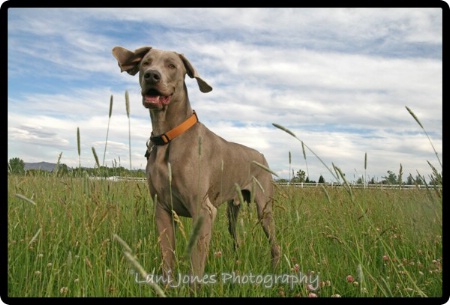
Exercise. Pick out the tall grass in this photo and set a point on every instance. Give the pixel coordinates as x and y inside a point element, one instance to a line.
<point>365,170</point>
<point>55,170</point>
<point>128,254</point>
<point>290,167</point>
<point>62,244</point>
<point>304,157</point>
<point>335,242</point>
<point>127,107</point>
<point>304,145</point>
<point>107,130</point>
<point>79,147</point>
<point>428,137</point>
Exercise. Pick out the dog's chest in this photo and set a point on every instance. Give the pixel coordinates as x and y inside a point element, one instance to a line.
<point>158,168</point>
<point>161,181</point>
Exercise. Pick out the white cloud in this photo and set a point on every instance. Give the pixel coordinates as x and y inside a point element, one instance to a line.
<point>339,78</point>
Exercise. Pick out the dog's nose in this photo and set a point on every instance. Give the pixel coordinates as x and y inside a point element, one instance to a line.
<point>152,76</point>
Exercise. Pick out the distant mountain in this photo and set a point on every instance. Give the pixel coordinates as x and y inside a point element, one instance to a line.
<point>45,166</point>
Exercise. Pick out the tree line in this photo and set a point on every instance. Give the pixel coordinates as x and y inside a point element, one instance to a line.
<point>17,166</point>
<point>391,178</point>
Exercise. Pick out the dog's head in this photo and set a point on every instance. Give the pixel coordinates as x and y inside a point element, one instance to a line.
<point>161,73</point>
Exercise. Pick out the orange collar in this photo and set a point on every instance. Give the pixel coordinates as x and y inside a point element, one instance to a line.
<point>165,138</point>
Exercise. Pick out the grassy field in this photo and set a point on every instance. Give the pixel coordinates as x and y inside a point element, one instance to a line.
<point>334,241</point>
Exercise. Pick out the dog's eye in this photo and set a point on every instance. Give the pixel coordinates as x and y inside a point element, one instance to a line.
<point>146,63</point>
<point>171,66</point>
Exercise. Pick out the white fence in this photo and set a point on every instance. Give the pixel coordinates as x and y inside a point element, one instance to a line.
<point>359,186</point>
<point>118,178</point>
<point>297,185</point>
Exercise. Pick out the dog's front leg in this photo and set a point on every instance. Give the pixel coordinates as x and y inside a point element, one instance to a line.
<point>206,215</point>
<point>166,232</point>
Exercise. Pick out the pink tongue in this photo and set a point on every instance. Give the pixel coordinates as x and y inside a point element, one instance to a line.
<point>157,99</point>
<point>152,99</point>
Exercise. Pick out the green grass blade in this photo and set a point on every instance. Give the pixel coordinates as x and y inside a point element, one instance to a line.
<point>292,134</point>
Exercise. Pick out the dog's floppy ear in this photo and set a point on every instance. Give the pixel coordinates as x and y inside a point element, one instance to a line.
<point>203,86</point>
<point>128,60</point>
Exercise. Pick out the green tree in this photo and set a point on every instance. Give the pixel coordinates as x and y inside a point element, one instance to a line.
<point>16,166</point>
<point>300,177</point>
<point>419,180</point>
<point>321,179</point>
<point>391,178</point>
<point>63,170</point>
<point>410,180</point>
<point>281,180</point>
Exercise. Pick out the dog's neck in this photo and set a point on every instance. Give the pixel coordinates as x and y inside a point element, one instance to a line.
<point>170,116</point>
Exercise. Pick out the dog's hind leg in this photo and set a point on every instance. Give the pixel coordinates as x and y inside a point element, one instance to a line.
<point>232,213</point>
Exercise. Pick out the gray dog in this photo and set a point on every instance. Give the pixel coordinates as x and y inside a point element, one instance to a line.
<point>206,170</point>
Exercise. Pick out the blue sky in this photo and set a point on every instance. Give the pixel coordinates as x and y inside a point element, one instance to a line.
<point>338,78</point>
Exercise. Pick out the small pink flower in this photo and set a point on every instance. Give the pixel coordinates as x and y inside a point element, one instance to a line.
<point>296,267</point>
<point>312,295</point>
<point>385,258</point>
<point>350,279</point>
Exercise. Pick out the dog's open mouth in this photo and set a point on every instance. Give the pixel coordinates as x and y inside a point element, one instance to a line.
<point>154,99</point>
